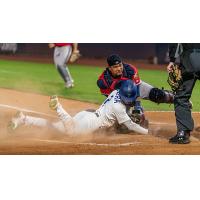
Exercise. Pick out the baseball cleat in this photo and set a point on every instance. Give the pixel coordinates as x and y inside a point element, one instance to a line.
<point>16,121</point>
<point>190,105</point>
<point>182,137</point>
<point>53,104</point>
<point>69,85</point>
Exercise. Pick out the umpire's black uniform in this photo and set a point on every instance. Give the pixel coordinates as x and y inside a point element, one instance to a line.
<point>190,67</point>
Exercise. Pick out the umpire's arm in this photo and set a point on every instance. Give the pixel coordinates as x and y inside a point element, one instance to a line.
<point>173,48</point>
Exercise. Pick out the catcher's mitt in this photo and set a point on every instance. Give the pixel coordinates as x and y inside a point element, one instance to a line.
<point>175,78</point>
<point>137,116</point>
<point>75,56</point>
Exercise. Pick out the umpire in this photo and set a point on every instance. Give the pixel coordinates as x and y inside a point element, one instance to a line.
<point>189,55</point>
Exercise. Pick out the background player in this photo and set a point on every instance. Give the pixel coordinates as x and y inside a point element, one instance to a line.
<point>62,54</point>
<point>113,110</point>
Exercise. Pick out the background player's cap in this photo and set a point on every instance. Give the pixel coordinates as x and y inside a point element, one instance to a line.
<point>113,59</point>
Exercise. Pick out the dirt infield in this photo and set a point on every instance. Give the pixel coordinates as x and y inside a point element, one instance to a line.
<point>31,140</point>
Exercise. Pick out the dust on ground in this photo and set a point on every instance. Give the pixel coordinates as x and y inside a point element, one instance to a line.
<point>33,140</point>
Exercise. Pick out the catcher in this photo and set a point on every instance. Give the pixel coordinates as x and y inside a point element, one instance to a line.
<point>113,110</point>
<point>64,53</point>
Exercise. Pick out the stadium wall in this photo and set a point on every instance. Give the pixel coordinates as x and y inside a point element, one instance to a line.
<point>135,51</point>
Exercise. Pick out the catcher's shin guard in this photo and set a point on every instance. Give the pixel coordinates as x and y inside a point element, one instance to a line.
<point>161,96</point>
<point>169,97</point>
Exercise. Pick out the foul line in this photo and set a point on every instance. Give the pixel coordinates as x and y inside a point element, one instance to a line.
<point>90,143</point>
<point>160,123</point>
<point>26,110</point>
<point>162,111</point>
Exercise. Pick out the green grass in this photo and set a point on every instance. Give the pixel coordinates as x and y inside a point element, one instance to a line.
<point>44,79</point>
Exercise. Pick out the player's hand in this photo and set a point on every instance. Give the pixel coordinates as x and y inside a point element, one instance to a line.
<point>76,51</point>
<point>74,56</point>
<point>51,45</point>
<point>169,67</point>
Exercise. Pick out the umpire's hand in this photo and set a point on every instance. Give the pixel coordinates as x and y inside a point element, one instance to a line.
<point>169,67</point>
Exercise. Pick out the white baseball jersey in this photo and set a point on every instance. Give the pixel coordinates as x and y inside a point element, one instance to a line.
<point>110,112</point>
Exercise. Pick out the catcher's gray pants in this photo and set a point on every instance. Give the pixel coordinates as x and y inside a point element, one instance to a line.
<point>61,57</point>
<point>190,65</point>
<point>145,89</point>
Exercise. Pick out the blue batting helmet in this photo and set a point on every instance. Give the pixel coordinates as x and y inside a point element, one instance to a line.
<point>128,92</point>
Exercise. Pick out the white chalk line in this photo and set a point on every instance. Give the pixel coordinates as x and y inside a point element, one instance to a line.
<point>26,110</point>
<point>90,143</point>
<point>162,111</point>
<point>136,143</point>
<point>161,123</point>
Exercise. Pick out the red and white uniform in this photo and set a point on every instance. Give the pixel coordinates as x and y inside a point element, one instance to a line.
<point>62,53</point>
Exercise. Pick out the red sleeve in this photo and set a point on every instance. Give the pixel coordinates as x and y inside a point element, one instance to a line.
<point>105,92</point>
<point>136,77</point>
<point>104,88</point>
<point>62,44</point>
<point>112,87</point>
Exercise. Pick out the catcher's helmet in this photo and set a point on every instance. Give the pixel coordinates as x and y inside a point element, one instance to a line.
<point>113,59</point>
<point>128,92</point>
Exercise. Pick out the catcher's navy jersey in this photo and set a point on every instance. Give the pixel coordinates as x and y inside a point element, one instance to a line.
<point>107,83</point>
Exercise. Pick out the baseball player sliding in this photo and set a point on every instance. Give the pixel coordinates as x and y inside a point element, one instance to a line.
<point>112,111</point>
<point>64,53</point>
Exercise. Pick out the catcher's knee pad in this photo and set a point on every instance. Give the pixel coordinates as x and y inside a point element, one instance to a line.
<point>161,96</point>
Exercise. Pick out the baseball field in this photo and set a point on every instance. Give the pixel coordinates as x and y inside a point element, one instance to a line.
<point>27,86</point>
